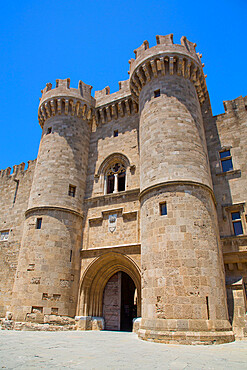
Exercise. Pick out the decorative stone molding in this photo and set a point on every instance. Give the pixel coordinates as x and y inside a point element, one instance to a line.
<point>178,182</point>
<point>111,160</point>
<point>97,274</point>
<point>53,208</point>
<point>121,194</point>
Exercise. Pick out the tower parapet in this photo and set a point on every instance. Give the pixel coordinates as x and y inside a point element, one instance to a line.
<point>167,58</point>
<point>64,99</point>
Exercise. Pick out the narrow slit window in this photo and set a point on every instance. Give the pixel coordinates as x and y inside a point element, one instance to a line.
<point>226,160</point>
<point>163,209</point>
<point>207,304</point>
<point>38,223</point>
<point>49,131</point>
<point>16,189</point>
<point>156,93</point>
<point>72,190</point>
<point>237,223</point>
<point>70,257</point>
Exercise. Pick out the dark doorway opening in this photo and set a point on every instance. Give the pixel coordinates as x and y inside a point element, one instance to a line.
<point>119,302</point>
<point>128,304</point>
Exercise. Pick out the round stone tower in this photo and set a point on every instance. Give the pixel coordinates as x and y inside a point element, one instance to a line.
<point>48,269</point>
<point>183,285</point>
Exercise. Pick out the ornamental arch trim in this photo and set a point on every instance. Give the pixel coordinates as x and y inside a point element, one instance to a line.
<point>95,278</point>
<point>110,160</point>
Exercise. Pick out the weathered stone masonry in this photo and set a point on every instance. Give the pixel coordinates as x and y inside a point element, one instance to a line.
<point>135,207</point>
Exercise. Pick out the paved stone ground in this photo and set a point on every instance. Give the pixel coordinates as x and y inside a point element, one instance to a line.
<point>111,350</point>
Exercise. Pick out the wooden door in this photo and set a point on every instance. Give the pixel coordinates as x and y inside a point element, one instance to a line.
<point>112,302</point>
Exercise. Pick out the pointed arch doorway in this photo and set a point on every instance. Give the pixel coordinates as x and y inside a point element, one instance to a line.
<point>119,302</point>
<point>96,280</point>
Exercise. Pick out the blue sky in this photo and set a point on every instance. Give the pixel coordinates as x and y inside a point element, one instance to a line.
<point>41,41</point>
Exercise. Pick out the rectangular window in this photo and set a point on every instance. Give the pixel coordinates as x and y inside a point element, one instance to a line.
<point>156,93</point>
<point>226,160</point>
<point>48,131</point>
<point>72,189</point>
<point>115,134</point>
<point>38,223</point>
<point>237,223</point>
<point>4,235</point>
<point>163,209</point>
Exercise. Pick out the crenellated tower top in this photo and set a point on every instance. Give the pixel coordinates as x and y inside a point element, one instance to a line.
<point>167,58</point>
<point>66,100</point>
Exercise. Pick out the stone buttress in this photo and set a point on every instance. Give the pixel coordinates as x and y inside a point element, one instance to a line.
<point>48,269</point>
<point>183,287</point>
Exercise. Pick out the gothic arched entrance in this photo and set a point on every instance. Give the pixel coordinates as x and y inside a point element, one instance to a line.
<point>119,302</point>
<point>94,284</point>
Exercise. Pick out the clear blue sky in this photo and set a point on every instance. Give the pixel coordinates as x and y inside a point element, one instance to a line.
<point>41,41</point>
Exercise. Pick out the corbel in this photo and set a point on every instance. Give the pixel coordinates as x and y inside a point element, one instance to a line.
<point>146,71</point>
<point>53,108</point>
<point>171,67</point>
<point>66,108</point>
<point>154,68</point>
<point>162,65</point>
<point>139,74</point>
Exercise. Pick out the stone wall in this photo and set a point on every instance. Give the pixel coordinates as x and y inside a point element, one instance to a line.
<point>97,230</point>
<point>103,144</point>
<point>15,188</point>
<point>228,131</point>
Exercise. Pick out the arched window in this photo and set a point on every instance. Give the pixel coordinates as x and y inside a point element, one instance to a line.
<point>113,174</point>
<point>115,178</point>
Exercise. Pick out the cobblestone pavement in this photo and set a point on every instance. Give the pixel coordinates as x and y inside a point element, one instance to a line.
<point>111,350</point>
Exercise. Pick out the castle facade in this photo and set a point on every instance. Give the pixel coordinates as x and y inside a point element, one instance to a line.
<point>134,208</point>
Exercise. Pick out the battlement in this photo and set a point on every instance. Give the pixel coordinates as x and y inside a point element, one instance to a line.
<point>104,97</point>
<point>115,109</point>
<point>63,89</point>
<point>167,58</point>
<point>18,168</point>
<point>164,43</point>
<point>64,99</point>
<point>236,105</point>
